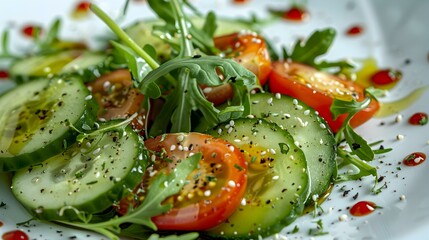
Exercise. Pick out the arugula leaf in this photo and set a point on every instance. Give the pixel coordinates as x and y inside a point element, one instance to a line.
<point>317,44</point>
<point>339,107</point>
<point>364,168</point>
<point>200,38</point>
<point>162,187</point>
<point>138,66</point>
<point>112,125</point>
<point>358,145</point>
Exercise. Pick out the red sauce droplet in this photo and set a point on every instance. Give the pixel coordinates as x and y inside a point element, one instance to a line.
<point>4,74</point>
<point>354,30</point>
<point>386,76</point>
<point>83,6</point>
<point>31,31</point>
<point>414,159</point>
<point>296,14</point>
<point>240,1</point>
<point>1,223</point>
<point>362,208</point>
<point>81,10</point>
<point>418,118</point>
<point>15,235</point>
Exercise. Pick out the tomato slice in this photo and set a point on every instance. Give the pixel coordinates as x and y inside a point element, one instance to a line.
<point>215,188</point>
<point>117,98</point>
<point>248,49</point>
<point>318,90</point>
<point>218,94</point>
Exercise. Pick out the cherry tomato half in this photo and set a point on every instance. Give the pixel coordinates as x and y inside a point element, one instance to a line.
<point>248,49</point>
<point>215,188</point>
<point>318,90</point>
<point>117,98</point>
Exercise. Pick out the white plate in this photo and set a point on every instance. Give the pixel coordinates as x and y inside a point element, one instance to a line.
<point>395,32</point>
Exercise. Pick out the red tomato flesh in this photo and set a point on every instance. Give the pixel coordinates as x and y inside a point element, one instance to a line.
<point>117,98</point>
<point>215,189</point>
<point>318,90</point>
<point>248,49</point>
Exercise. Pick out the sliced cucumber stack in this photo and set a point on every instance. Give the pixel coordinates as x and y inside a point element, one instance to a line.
<point>310,132</point>
<point>88,176</point>
<point>68,61</point>
<point>278,182</point>
<point>35,117</point>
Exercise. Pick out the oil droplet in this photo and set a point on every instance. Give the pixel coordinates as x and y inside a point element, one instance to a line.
<point>35,180</point>
<point>370,75</point>
<point>414,159</point>
<point>394,107</point>
<point>15,235</point>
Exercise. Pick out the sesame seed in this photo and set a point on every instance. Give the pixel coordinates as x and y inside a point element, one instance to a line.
<point>243,202</point>
<point>270,101</point>
<point>402,197</point>
<point>180,138</point>
<point>207,193</point>
<point>89,97</point>
<point>277,177</point>
<point>295,102</point>
<point>231,148</point>
<point>398,118</point>
<point>278,96</point>
<point>315,197</point>
<point>342,218</point>
<point>207,90</point>
<point>172,147</point>
<point>400,137</point>
<point>230,129</point>
<point>231,183</point>
<point>307,112</point>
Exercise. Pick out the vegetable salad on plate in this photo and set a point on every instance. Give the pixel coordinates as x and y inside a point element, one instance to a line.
<point>188,125</point>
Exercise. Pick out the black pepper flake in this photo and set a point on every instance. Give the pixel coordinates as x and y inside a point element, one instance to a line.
<point>345,193</point>
<point>355,196</point>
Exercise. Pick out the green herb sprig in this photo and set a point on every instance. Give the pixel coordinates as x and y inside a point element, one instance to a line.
<point>162,187</point>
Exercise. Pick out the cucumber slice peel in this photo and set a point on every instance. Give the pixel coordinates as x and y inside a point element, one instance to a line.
<point>34,119</point>
<point>88,176</point>
<point>278,182</point>
<point>310,132</point>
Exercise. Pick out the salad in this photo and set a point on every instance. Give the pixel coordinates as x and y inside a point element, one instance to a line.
<point>188,126</point>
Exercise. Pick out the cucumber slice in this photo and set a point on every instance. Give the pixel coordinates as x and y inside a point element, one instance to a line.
<point>309,131</point>
<point>278,182</point>
<point>34,119</point>
<point>56,63</point>
<point>88,176</point>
